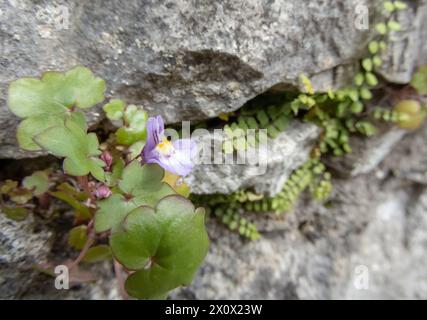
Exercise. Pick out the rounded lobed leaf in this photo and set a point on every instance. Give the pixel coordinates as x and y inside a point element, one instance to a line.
<point>48,101</point>
<point>165,245</point>
<point>38,181</point>
<point>114,109</point>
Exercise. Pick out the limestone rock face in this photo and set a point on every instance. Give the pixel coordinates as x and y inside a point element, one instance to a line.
<point>191,59</point>
<point>369,244</point>
<point>265,168</point>
<point>22,245</point>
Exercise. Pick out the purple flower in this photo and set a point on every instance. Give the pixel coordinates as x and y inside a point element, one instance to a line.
<point>175,157</point>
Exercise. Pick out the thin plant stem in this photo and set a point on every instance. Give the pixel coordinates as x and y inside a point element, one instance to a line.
<point>88,244</point>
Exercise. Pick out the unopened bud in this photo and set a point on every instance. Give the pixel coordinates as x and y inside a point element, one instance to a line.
<point>108,159</point>
<point>102,192</point>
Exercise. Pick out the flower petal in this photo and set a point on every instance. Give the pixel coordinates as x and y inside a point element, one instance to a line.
<point>155,129</point>
<point>187,147</point>
<point>178,163</point>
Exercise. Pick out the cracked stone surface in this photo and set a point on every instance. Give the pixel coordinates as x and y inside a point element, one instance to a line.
<point>22,245</point>
<point>272,164</point>
<point>192,59</point>
<point>192,62</point>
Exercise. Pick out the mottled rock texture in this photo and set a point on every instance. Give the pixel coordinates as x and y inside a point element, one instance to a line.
<point>192,59</point>
<point>374,226</point>
<point>265,168</point>
<point>22,245</point>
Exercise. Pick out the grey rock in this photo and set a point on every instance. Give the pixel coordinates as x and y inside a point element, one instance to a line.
<point>185,59</point>
<point>367,153</point>
<point>412,167</point>
<point>406,49</point>
<point>265,169</point>
<point>22,245</point>
<point>373,229</point>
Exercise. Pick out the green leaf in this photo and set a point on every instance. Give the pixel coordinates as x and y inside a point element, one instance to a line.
<point>419,80</point>
<point>136,149</point>
<point>356,107</point>
<point>8,186</point>
<point>165,245</point>
<point>114,109</point>
<point>135,129</point>
<point>371,79</point>
<point>128,136</point>
<point>77,237</point>
<point>399,5</point>
<point>15,213</point>
<point>113,177</point>
<point>376,60</point>
<point>381,28</point>
<point>71,196</point>
<point>366,128</point>
<point>359,79</point>
<point>389,6</point>
<point>394,25</point>
<point>48,101</point>
<point>136,117</point>
<point>142,185</point>
<point>367,64</point>
<point>38,181</point>
<point>33,126</point>
<point>97,253</point>
<point>373,47</point>
<point>365,93</point>
<point>113,210</point>
<point>21,196</point>
<point>79,149</point>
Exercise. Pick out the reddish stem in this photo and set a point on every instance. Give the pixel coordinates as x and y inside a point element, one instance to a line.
<point>88,244</point>
<point>84,183</point>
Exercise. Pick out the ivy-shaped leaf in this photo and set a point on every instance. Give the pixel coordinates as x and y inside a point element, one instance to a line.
<point>48,101</point>
<point>165,245</point>
<point>38,181</point>
<point>114,109</point>
<point>135,126</point>
<point>79,148</point>
<point>140,185</point>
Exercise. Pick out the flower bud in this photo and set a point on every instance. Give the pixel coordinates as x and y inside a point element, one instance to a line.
<point>102,192</point>
<point>108,159</point>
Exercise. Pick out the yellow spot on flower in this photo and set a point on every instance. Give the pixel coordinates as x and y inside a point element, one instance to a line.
<point>165,147</point>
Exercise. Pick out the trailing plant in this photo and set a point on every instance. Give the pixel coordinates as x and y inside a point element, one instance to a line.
<point>340,114</point>
<point>230,209</point>
<point>118,188</point>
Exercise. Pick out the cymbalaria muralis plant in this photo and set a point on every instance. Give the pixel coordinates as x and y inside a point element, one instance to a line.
<point>120,190</point>
<point>127,189</point>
